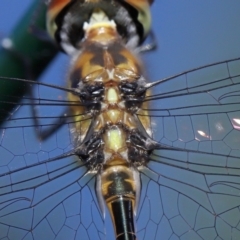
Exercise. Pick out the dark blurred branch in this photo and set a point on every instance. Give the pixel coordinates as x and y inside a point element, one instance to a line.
<point>27,58</point>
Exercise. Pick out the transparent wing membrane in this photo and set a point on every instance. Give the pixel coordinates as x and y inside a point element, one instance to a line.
<point>195,184</point>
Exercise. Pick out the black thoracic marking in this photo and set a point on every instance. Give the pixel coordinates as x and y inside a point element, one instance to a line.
<point>97,58</point>
<point>115,52</point>
<point>75,78</point>
<point>139,148</point>
<point>113,49</point>
<point>133,94</point>
<point>132,88</point>
<point>139,140</point>
<point>90,151</point>
<point>128,88</point>
<point>92,95</point>
<point>133,104</point>
<point>96,159</point>
<point>92,92</point>
<point>138,156</point>
<point>91,145</point>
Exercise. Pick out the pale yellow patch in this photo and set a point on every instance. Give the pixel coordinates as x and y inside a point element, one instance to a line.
<point>115,139</point>
<point>114,116</point>
<point>112,96</point>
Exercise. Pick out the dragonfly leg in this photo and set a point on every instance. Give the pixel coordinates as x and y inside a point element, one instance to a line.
<point>149,46</point>
<point>53,127</point>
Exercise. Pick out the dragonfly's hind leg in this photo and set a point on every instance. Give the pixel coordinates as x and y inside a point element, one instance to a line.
<point>151,46</point>
<point>53,126</point>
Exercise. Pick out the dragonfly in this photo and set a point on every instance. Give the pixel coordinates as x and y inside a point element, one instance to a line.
<point>189,194</point>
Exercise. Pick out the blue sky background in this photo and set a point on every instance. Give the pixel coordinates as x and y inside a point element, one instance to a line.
<point>189,33</point>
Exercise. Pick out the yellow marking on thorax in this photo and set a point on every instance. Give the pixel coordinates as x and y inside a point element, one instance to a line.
<point>114,115</point>
<point>115,139</point>
<point>112,96</point>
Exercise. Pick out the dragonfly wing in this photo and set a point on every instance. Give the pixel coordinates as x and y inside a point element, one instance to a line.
<point>191,190</point>
<point>44,193</point>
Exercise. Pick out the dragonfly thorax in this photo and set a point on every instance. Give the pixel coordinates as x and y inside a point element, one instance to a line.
<point>109,80</point>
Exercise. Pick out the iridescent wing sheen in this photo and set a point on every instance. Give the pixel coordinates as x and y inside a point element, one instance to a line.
<point>191,192</point>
